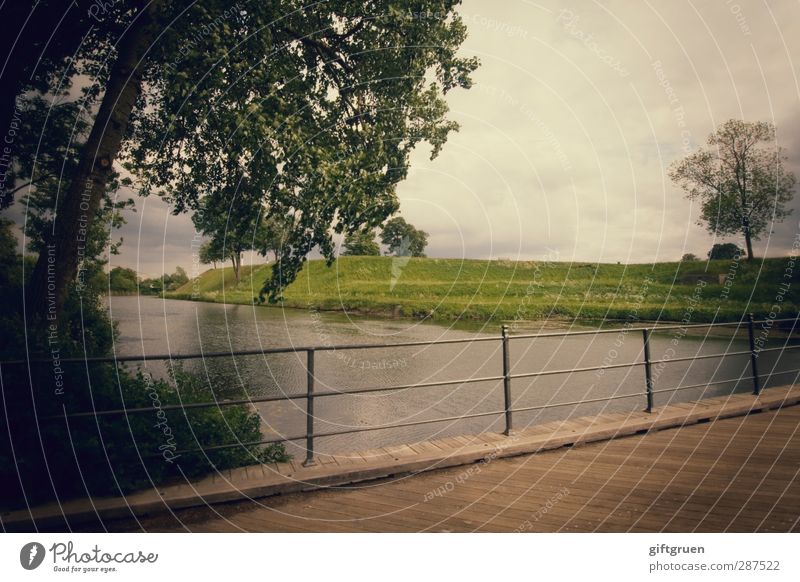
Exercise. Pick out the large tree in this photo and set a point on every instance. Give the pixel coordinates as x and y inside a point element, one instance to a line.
<point>739,180</point>
<point>83,195</point>
<point>316,108</point>
<point>313,113</point>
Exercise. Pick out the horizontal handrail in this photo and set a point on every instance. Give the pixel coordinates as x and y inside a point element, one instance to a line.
<point>263,399</point>
<point>655,328</point>
<point>261,352</point>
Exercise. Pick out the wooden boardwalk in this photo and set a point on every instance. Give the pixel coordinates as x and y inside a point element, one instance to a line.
<point>711,465</point>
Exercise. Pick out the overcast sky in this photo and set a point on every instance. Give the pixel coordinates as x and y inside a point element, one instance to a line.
<point>576,114</point>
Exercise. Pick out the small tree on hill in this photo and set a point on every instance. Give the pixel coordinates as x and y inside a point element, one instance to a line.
<point>361,244</point>
<point>688,257</point>
<point>210,254</point>
<point>402,239</point>
<point>725,251</point>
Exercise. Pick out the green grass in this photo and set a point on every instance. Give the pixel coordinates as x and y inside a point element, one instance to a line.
<point>527,290</point>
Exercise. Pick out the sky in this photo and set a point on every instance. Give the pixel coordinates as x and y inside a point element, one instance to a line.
<point>566,137</point>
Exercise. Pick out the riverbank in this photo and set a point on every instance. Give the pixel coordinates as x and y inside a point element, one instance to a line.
<point>449,289</point>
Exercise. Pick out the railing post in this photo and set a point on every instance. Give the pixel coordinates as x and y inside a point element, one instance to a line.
<point>507,381</point>
<point>648,371</point>
<point>753,355</point>
<point>309,409</point>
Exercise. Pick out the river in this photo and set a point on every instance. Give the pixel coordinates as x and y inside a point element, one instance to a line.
<point>151,326</point>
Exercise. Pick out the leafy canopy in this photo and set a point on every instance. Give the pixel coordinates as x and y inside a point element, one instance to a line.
<point>403,239</point>
<point>361,244</point>
<point>310,113</point>
<point>725,251</point>
<point>739,180</point>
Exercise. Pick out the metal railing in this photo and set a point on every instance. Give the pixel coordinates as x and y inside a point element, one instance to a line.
<point>311,394</point>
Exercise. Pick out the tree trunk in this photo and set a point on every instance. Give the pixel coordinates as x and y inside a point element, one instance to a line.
<point>748,240</point>
<point>56,270</point>
<point>236,259</point>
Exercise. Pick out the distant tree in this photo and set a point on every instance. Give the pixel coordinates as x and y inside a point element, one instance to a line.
<point>688,257</point>
<point>166,282</point>
<point>210,254</point>
<point>271,236</point>
<point>152,286</point>
<point>739,180</point>
<point>361,244</point>
<point>232,221</point>
<point>122,280</point>
<point>402,239</point>
<point>178,278</point>
<point>725,251</point>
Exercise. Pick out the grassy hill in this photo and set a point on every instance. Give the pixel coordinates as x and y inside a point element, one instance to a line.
<point>509,290</point>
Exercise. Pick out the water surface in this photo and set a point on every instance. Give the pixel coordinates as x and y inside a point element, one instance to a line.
<point>152,326</point>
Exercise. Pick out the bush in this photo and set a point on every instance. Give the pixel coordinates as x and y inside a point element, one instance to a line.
<point>46,456</point>
<point>55,457</point>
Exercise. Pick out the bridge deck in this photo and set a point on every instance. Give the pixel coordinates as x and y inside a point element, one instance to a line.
<point>737,474</point>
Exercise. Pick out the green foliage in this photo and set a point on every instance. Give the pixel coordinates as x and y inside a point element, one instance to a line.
<point>360,244</point>
<point>117,454</point>
<point>158,285</point>
<point>507,290</point>
<point>403,239</point>
<point>42,456</point>
<point>725,251</point>
<point>123,281</point>
<point>690,257</point>
<point>209,254</point>
<point>44,60</point>
<point>284,113</point>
